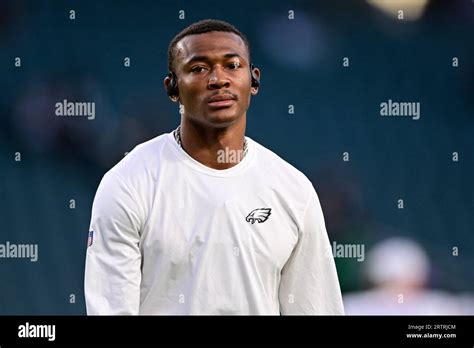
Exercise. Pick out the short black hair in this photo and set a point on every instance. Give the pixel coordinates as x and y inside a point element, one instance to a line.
<point>202,27</point>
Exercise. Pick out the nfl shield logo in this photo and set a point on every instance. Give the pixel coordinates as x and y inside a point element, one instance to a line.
<point>91,238</point>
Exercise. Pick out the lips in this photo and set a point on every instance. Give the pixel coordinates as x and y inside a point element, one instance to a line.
<point>221,100</point>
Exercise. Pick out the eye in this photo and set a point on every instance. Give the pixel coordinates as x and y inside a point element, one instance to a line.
<point>234,65</point>
<point>197,69</point>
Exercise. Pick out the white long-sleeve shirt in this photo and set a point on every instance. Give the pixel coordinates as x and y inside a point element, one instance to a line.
<point>170,235</point>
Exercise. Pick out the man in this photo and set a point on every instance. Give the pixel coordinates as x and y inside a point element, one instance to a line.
<point>204,220</point>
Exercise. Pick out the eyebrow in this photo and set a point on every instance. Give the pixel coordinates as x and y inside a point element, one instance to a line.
<point>207,59</point>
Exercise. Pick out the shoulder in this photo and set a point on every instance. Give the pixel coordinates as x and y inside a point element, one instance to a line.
<point>139,169</point>
<point>144,159</point>
<point>289,183</point>
<point>280,169</point>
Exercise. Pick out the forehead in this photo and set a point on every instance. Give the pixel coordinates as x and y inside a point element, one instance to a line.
<point>213,44</point>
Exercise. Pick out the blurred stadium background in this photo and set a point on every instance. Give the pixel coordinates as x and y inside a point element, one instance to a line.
<point>336,110</point>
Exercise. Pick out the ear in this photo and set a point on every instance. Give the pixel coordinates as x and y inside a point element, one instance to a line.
<point>167,85</point>
<point>256,72</point>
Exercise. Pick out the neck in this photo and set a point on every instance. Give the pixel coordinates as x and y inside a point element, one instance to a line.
<point>217,148</point>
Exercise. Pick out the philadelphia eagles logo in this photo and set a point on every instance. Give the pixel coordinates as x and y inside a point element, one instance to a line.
<point>260,215</point>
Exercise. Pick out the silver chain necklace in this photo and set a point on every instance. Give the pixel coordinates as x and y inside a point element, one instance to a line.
<point>177,136</point>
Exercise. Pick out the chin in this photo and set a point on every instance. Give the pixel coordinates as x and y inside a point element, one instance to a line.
<point>222,117</point>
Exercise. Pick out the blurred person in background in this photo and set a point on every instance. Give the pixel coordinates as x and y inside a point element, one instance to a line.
<point>399,270</point>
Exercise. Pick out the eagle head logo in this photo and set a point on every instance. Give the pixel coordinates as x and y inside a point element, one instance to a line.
<point>260,215</point>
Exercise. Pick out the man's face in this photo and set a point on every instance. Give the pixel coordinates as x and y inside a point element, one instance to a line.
<point>214,79</point>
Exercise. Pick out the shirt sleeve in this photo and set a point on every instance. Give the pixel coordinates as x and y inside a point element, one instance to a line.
<point>113,260</point>
<point>309,282</point>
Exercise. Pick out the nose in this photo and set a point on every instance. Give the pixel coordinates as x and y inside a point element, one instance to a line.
<point>218,79</point>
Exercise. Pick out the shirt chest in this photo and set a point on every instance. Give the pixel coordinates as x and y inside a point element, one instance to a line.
<point>192,218</point>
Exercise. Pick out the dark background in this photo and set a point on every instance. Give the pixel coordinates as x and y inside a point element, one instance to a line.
<point>337,110</point>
